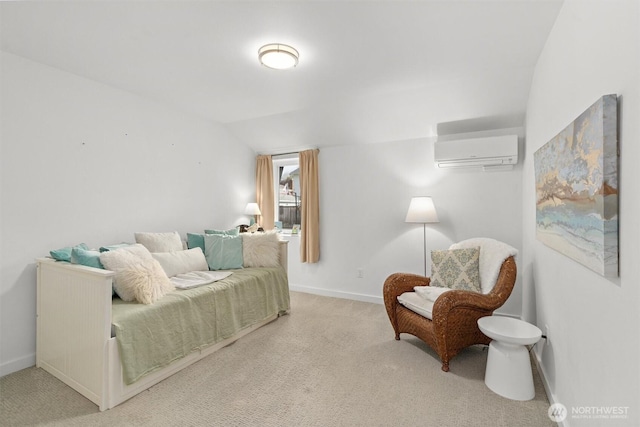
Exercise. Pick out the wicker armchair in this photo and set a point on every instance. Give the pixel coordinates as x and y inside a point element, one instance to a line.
<point>455,313</point>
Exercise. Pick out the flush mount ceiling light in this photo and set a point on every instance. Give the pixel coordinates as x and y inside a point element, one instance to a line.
<point>278,56</point>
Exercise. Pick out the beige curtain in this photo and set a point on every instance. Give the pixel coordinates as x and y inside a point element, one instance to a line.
<point>264,190</point>
<point>310,209</point>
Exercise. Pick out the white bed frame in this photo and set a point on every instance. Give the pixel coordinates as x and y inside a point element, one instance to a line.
<point>74,340</point>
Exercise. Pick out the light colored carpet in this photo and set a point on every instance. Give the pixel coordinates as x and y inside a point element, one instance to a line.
<point>331,362</point>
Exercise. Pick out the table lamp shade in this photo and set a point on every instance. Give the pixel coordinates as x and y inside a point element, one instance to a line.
<point>252,209</point>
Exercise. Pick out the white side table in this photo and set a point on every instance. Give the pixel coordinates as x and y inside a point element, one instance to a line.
<point>508,365</point>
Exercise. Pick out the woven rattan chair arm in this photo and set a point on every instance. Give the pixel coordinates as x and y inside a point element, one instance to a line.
<point>399,283</point>
<point>465,299</point>
<point>479,302</point>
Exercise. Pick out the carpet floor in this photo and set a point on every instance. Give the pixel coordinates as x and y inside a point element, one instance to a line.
<point>331,362</point>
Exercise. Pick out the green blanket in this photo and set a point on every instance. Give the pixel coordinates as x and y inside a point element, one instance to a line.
<point>152,336</point>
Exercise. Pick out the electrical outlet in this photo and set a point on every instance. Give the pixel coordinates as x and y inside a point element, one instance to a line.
<point>547,333</point>
<point>360,273</point>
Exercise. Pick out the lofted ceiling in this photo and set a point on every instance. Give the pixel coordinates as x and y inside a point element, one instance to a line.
<point>369,71</point>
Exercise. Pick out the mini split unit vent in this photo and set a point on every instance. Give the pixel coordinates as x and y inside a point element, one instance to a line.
<point>491,153</point>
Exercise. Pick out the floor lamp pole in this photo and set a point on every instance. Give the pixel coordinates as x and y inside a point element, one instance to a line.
<point>424,229</point>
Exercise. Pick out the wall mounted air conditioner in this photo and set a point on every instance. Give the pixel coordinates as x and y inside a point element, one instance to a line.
<point>488,153</point>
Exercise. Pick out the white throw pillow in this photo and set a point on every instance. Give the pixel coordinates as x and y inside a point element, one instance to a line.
<point>124,257</point>
<point>138,276</point>
<point>261,249</point>
<point>160,242</point>
<point>145,282</point>
<point>181,262</point>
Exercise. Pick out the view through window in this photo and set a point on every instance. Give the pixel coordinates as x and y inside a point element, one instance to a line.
<point>287,181</point>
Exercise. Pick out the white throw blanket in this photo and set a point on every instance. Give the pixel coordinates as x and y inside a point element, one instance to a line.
<point>430,293</point>
<point>198,278</point>
<point>492,255</point>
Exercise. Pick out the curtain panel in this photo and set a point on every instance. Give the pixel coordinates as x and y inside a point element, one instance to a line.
<point>310,207</point>
<point>264,190</point>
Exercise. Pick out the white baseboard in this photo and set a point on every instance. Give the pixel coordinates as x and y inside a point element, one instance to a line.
<point>514,316</point>
<point>357,297</point>
<point>16,365</point>
<point>547,388</point>
<point>337,294</point>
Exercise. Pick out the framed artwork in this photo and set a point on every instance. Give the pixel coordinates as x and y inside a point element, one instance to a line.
<point>577,189</point>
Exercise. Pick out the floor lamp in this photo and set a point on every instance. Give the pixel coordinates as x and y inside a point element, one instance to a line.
<point>422,211</point>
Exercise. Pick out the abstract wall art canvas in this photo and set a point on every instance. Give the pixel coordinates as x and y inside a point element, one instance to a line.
<point>577,189</point>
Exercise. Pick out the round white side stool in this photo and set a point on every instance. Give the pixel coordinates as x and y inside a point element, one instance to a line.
<point>508,365</point>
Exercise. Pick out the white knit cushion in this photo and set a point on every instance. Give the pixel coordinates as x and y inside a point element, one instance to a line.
<point>261,249</point>
<point>181,262</point>
<point>160,242</point>
<point>417,304</point>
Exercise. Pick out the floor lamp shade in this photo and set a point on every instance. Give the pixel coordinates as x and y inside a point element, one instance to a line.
<point>422,211</point>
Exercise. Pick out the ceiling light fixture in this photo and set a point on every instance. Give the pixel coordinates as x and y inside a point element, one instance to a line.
<point>278,56</point>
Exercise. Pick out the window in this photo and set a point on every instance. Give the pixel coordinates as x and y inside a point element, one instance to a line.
<point>286,178</point>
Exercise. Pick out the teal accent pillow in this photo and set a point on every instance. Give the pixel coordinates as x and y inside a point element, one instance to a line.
<point>195,241</point>
<point>114,247</point>
<point>223,252</point>
<point>86,257</point>
<point>229,232</point>
<point>64,254</point>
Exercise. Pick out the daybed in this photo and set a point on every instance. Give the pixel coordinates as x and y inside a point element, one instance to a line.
<point>84,335</point>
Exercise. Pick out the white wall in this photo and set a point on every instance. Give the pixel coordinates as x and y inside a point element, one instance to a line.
<point>83,162</point>
<point>364,196</point>
<point>593,358</point>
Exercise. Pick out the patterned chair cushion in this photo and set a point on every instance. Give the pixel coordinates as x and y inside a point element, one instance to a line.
<point>492,254</point>
<point>456,269</point>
